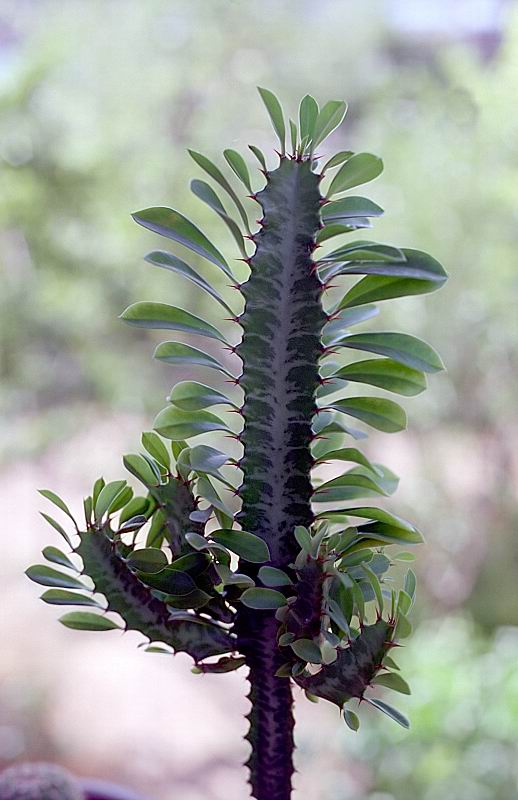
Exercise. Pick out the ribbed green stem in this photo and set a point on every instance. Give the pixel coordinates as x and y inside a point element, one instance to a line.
<point>282,323</point>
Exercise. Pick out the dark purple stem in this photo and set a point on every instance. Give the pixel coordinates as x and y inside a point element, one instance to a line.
<point>271,718</point>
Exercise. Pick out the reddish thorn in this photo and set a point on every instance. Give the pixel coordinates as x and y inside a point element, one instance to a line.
<point>265,172</point>
<point>250,238</point>
<point>324,201</point>
<point>252,196</point>
<point>247,260</point>
<point>236,286</point>
<point>235,411</point>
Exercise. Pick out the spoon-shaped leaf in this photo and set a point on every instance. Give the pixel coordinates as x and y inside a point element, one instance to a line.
<point>48,576</point>
<point>348,208</point>
<point>330,116</point>
<point>384,415</point>
<point>238,164</point>
<point>147,314</point>
<point>192,396</point>
<point>263,599</point>
<point>88,621</point>
<point>246,545</point>
<point>400,347</point>
<point>385,373</point>
<point>215,173</point>
<point>178,425</point>
<point>393,713</point>
<point>160,258</point>
<point>181,354</point>
<point>170,223</point>
<point>360,168</point>
<point>274,110</point>
<point>62,597</point>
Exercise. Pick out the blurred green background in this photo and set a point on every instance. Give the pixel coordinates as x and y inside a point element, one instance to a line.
<point>98,102</point>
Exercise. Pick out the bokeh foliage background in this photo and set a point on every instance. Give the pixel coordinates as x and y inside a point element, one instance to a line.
<point>98,102</point>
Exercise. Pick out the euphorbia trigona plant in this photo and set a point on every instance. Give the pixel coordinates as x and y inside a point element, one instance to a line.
<point>289,581</point>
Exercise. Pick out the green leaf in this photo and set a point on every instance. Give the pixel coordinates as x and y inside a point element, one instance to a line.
<point>165,260</point>
<point>137,507</point>
<point>170,580</point>
<point>170,223</point>
<point>165,317</point>
<point>263,599</point>
<point>377,287</point>
<point>384,415</point>
<point>359,601</point>
<point>57,527</point>
<point>156,448</point>
<point>404,602</point>
<point>330,116</point>
<point>55,556</point>
<point>275,111</point>
<point>308,113</point>
<point>400,347</point>
<point>382,260</point>
<point>133,524</point>
<point>106,497</point>
<point>337,159</point>
<point>230,578</point>
<point>175,424</point>
<point>326,422</point>
<point>349,208</point>
<point>303,537</point>
<point>215,173</point>
<point>57,502</point>
<point>410,584</point>
<point>181,354</point>
<point>393,713</point>
<point>47,576</point>
<point>207,195</point>
<point>348,454</point>
<point>99,485</point>
<point>193,396</point>
<point>293,136</point>
<point>403,627</point>
<point>391,680</point>
<point>337,615</point>
<point>351,719</point>
<point>272,576</point>
<point>404,556</point>
<point>87,621</point>
<point>334,330</point>
<point>386,374</point>
<point>376,586</point>
<point>307,650</point>
<point>347,487</point>
<point>139,467</point>
<point>157,530</point>
<point>203,459</point>
<point>246,545</point>
<point>360,168</point>
<point>207,491</point>
<point>390,663</point>
<point>378,514</point>
<point>361,253</point>
<point>61,597</point>
<point>147,559</point>
<point>333,229</point>
<point>121,500</point>
<point>259,155</point>
<point>237,163</point>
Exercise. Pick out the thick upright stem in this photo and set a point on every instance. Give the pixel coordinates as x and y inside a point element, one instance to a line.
<point>271,717</point>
